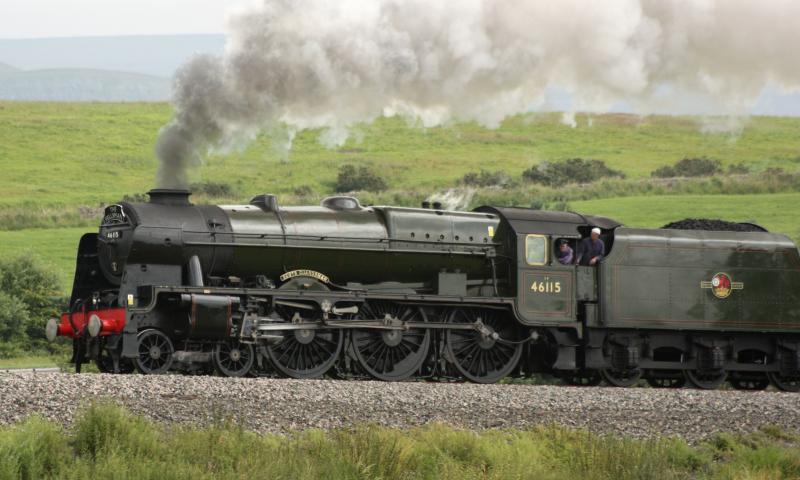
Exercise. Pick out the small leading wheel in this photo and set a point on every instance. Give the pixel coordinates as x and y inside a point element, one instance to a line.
<point>487,356</point>
<point>581,378</point>
<point>391,355</point>
<point>667,379</point>
<point>233,358</point>
<point>105,363</point>
<point>622,378</point>
<point>706,380</point>
<point>154,352</point>
<point>782,382</point>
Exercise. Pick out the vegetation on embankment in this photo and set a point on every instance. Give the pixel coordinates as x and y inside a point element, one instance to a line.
<point>108,442</point>
<point>34,361</point>
<point>30,292</point>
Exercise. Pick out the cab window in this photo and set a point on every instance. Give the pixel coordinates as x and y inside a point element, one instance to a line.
<point>536,249</point>
<point>564,251</point>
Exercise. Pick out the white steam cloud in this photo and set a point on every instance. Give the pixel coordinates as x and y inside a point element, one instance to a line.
<point>291,65</point>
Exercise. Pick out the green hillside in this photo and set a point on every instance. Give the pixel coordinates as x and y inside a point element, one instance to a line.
<point>61,162</point>
<point>777,212</point>
<point>71,154</point>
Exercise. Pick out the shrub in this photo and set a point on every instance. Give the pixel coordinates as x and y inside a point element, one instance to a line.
<point>738,169</point>
<point>212,189</point>
<point>352,178</point>
<point>34,449</point>
<point>35,287</point>
<point>689,167</point>
<point>573,170</point>
<point>14,317</point>
<point>663,172</point>
<point>303,191</point>
<point>554,205</point>
<point>103,426</point>
<point>33,284</point>
<point>485,178</point>
<point>135,198</point>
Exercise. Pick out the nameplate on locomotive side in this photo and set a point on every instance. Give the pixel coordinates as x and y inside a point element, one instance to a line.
<point>304,273</point>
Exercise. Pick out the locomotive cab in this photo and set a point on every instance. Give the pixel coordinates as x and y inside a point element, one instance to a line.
<point>548,292</point>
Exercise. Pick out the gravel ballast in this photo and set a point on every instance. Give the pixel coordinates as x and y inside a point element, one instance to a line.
<point>280,406</point>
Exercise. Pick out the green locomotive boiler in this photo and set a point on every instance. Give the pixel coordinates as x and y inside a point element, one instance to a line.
<point>398,293</point>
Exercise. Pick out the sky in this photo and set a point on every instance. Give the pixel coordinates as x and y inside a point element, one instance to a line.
<point>69,18</point>
<point>42,19</point>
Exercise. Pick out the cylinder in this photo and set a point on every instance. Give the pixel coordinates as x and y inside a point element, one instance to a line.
<point>211,315</point>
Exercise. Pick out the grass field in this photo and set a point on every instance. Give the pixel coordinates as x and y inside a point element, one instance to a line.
<point>86,154</point>
<point>778,212</point>
<point>108,442</point>
<point>34,361</point>
<point>58,247</point>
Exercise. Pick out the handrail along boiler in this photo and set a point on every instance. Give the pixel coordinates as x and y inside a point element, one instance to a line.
<point>395,293</point>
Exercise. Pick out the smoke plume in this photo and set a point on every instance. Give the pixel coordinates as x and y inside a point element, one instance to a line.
<point>291,65</point>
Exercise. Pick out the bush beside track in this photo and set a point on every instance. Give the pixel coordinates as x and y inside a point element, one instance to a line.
<point>107,441</point>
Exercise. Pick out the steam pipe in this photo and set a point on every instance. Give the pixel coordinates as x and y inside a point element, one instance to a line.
<point>195,272</point>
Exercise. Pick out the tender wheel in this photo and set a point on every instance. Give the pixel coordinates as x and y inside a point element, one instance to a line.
<point>749,382</point>
<point>581,378</point>
<point>622,378</point>
<point>781,382</point>
<point>706,380</point>
<point>667,380</point>
<point>154,352</point>
<point>233,358</point>
<point>391,355</point>
<point>483,357</point>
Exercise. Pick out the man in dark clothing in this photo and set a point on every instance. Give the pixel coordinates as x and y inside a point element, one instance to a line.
<point>592,249</point>
<point>565,254</point>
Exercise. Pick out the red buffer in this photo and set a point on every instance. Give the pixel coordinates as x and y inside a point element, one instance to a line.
<point>101,322</point>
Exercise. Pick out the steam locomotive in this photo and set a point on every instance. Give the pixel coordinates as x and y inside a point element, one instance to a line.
<point>396,293</point>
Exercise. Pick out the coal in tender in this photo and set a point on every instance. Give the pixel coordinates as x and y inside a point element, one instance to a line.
<point>713,225</point>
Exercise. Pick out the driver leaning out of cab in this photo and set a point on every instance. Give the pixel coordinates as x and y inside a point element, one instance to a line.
<point>591,249</point>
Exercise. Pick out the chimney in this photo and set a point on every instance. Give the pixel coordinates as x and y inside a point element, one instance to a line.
<point>168,196</point>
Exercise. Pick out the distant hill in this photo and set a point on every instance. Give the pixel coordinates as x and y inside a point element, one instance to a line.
<point>81,85</point>
<point>98,69</point>
<point>5,68</point>
<point>157,55</point>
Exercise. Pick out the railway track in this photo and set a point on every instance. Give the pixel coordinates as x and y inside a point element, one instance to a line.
<point>30,370</point>
<point>284,405</point>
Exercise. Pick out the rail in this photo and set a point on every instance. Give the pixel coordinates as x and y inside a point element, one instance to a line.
<point>30,370</point>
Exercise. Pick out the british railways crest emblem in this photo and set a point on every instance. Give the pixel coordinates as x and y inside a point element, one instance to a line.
<point>721,285</point>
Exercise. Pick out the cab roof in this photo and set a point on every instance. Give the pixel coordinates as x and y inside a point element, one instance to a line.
<point>528,220</point>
